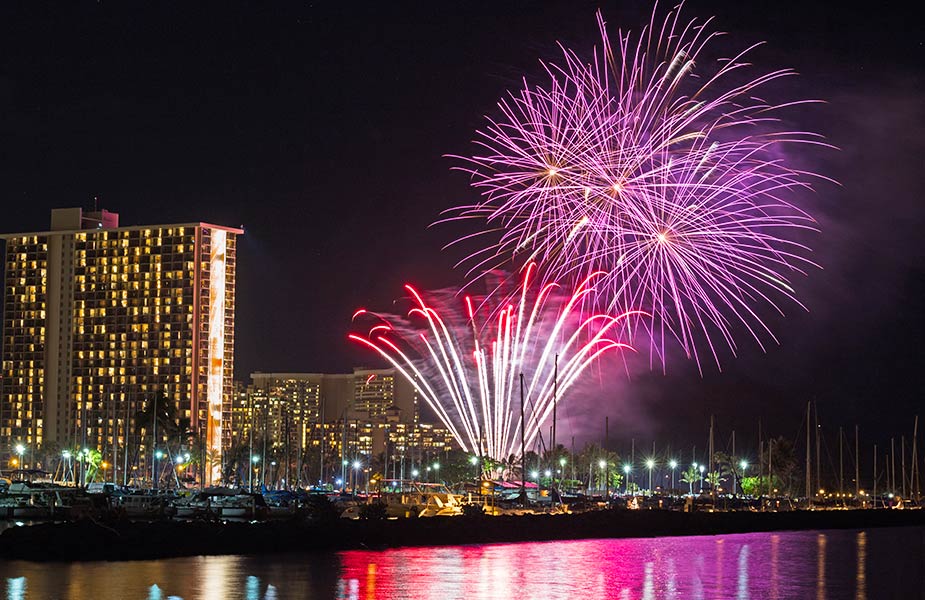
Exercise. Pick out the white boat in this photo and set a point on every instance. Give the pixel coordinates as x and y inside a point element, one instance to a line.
<point>408,499</point>
<point>240,506</point>
<point>144,506</point>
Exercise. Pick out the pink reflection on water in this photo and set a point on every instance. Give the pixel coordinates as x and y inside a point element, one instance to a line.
<point>730,566</point>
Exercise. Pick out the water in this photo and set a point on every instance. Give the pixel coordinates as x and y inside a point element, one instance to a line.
<point>830,565</point>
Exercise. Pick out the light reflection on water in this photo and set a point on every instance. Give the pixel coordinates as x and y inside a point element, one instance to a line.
<point>823,565</point>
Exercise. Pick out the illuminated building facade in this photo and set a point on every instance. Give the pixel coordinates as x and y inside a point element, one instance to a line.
<point>316,421</point>
<point>98,319</point>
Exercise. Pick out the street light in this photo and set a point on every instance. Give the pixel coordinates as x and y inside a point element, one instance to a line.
<point>674,465</point>
<point>626,479</point>
<point>157,456</point>
<point>436,469</point>
<point>20,450</point>
<point>650,464</point>
<point>702,469</point>
<point>66,455</point>
<point>414,473</point>
<point>474,461</point>
<point>254,460</point>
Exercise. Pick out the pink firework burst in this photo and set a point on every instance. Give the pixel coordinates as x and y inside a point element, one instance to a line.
<point>469,374</point>
<point>668,175</point>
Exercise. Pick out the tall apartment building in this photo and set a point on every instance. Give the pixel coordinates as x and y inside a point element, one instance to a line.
<point>98,318</point>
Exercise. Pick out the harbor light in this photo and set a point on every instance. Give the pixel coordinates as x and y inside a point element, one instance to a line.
<point>255,459</point>
<point>534,474</point>
<point>436,466</point>
<point>673,464</point>
<point>743,465</point>
<point>650,464</point>
<point>562,461</point>
<point>602,464</point>
<point>415,472</point>
<point>547,473</point>
<point>66,454</point>
<point>356,464</point>
<point>626,469</point>
<point>158,455</point>
<point>473,460</point>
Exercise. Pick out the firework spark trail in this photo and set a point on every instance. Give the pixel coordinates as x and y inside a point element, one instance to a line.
<point>473,390</point>
<point>667,176</point>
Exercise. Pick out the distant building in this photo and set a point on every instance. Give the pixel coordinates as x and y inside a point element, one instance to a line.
<point>321,420</point>
<point>98,318</point>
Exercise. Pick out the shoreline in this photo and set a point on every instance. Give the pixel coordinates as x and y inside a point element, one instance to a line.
<point>126,540</point>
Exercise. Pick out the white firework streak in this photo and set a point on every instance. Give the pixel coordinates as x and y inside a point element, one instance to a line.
<point>475,392</point>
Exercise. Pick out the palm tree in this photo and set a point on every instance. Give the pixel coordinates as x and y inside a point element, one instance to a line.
<point>165,421</point>
<point>713,478</point>
<point>690,477</point>
<point>213,457</point>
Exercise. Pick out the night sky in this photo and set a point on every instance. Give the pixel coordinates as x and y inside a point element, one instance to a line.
<point>322,129</point>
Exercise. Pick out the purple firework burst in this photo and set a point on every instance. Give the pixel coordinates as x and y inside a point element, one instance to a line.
<point>670,176</point>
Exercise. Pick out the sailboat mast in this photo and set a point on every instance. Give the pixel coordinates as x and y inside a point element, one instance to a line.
<point>809,480</point>
<point>857,466</point>
<point>523,447</point>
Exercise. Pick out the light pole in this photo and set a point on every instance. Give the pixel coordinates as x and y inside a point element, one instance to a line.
<point>20,450</point>
<point>626,479</point>
<point>743,464</point>
<point>674,465</point>
<point>702,469</point>
<point>157,456</point>
<point>650,464</point>
<point>356,476</point>
<point>250,480</point>
<point>66,455</point>
<point>84,458</point>
<point>561,473</point>
<point>436,472</point>
<point>474,461</point>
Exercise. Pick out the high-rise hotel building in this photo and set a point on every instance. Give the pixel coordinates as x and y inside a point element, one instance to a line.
<point>98,319</point>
